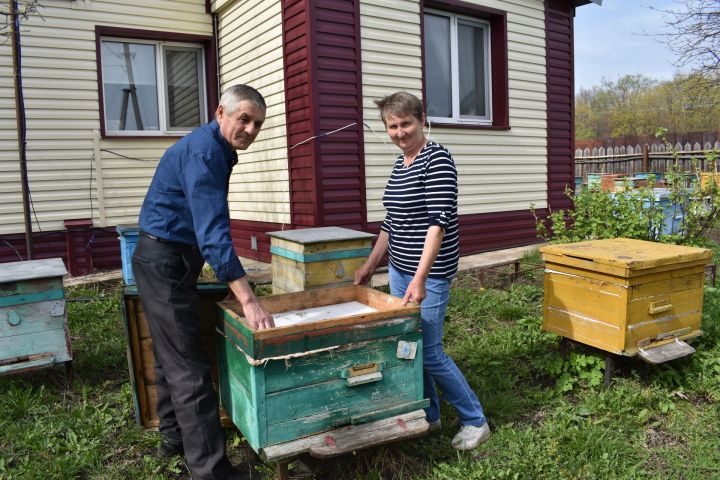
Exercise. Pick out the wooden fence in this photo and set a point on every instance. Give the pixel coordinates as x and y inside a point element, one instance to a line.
<point>630,159</point>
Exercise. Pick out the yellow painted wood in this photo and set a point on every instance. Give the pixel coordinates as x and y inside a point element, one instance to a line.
<point>293,276</point>
<point>623,256</point>
<point>619,295</point>
<point>294,268</point>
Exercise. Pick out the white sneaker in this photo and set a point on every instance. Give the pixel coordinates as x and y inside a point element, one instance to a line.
<point>434,425</point>
<point>470,437</point>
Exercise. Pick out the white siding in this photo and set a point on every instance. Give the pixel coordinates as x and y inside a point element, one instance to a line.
<point>251,52</point>
<point>65,154</point>
<point>498,170</point>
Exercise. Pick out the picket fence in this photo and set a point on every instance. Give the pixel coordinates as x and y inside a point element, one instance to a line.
<point>632,159</point>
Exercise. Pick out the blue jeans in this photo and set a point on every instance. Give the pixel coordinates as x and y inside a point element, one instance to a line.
<point>437,366</point>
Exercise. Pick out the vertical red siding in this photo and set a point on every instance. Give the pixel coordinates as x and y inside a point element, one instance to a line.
<point>323,93</point>
<point>560,98</point>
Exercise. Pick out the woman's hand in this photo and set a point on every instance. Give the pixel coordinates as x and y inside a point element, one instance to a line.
<point>415,291</point>
<point>363,274</point>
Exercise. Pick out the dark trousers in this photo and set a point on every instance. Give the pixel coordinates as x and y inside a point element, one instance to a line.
<point>166,276</point>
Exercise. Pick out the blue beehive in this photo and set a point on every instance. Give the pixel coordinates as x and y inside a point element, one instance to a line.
<point>128,235</point>
<point>673,215</point>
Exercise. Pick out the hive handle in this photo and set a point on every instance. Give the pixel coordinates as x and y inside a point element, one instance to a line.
<point>659,307</point>
<point>363,379</point>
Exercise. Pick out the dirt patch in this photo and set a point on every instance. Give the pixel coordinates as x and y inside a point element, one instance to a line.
<point>658,439</point>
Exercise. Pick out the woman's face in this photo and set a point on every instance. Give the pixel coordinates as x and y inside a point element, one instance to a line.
<point>405,131</point>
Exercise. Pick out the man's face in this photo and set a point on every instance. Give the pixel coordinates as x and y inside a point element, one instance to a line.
<point>242,126</point>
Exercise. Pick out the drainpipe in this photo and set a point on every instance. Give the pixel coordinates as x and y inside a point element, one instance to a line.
<point>216,36</point>
<point>21,125</point>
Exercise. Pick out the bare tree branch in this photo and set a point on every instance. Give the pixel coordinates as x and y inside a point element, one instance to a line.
<point>25,8</point>
<point>694,35</point>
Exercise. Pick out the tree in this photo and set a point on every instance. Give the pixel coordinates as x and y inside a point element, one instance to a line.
<point>695,36</point>
<point>24,8</point>
<point>637,105</point>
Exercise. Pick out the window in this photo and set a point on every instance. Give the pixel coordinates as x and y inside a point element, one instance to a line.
<point>457,68</point>
<point>152,87</point>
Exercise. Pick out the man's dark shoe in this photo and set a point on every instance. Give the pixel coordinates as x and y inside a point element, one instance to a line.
<point>169,448</point>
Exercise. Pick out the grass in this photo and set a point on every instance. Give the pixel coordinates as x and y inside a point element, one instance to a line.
<point>550,417</point>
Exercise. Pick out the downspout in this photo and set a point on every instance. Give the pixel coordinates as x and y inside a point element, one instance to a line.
<point>21,125</point>
<point>217,55</point>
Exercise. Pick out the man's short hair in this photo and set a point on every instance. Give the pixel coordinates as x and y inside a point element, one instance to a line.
<point>237,93</point>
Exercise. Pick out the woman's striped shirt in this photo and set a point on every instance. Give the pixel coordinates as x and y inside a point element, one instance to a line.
<point>417,197</point>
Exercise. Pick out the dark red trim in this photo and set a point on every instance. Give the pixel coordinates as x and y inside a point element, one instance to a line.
<point>498,57</point>
<point>464,126</point>
<point>242,230</point>
<point>82,249</point>
<point>211,81</point>
<point>560,101</point>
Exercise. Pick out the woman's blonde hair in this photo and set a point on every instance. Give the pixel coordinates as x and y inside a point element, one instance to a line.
<point>400,104</point>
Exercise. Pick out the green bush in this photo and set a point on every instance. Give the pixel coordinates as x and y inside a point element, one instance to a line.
<point>637,213</point>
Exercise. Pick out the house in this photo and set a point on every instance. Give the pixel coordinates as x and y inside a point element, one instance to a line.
<point>107,86</point>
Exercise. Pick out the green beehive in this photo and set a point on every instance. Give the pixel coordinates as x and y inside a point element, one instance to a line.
<point>33,319</point>
<point>359,360</point>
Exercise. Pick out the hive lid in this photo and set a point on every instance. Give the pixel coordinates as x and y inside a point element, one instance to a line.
<point>627,253</point>
<point>319,235</point>
<point>127,229</point>
<point>30,269</point>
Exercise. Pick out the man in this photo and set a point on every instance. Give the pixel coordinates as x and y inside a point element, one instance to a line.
<point>185,221</point>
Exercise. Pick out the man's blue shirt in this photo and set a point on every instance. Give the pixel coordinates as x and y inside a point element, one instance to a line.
<point>187,199</point>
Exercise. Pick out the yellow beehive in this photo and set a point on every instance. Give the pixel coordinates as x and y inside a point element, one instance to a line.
<point>707,177</point>
<point>316,257</point>
<point>621,295</point>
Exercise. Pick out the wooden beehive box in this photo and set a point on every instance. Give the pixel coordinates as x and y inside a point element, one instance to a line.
<point>293,381</point>
<point>139,351</point>
<point>33,318</point>
<point>316,257</point>
<point>621,295</point>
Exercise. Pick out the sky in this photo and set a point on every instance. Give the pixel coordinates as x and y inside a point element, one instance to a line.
<point>616,39</point>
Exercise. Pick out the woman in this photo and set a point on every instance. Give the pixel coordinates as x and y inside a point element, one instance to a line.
<point>420,233</point>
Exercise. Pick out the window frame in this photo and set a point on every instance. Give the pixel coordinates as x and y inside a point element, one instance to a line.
<point>209,85</point>
<point>497,48</point>
<point>455,21</point>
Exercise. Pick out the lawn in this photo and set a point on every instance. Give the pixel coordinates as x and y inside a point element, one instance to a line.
<point>550,416</point>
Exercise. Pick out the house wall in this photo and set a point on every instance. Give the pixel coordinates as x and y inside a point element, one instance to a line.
<point>65,154</point>
<point>499,171</point>
<point>251,52</point>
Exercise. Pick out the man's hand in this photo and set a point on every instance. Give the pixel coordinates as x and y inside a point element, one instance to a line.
<point>255,314</point>
<point>257,317</point>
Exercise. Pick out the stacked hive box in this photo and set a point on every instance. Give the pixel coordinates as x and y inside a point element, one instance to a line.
<point>316,257</point>
<point>140,356</point>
